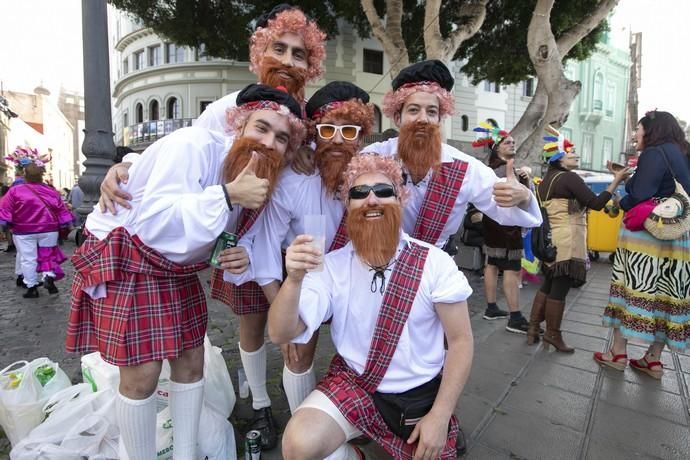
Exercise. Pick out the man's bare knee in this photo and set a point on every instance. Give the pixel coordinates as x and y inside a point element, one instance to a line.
<point>139,382</point>
<point>325,436</point>
<point>188,367</point>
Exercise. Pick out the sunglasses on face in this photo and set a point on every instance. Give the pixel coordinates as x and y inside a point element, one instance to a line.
<point>360,192</point>
<point>348,132</point>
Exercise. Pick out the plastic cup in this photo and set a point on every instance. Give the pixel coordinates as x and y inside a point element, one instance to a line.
<point>315,226</point>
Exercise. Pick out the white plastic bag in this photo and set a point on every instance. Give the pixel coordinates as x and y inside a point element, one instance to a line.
<point>218,389</point>
<point>219,392</point>
<point>216,439</point>
<point>22,395</point>
<point>80,424</point>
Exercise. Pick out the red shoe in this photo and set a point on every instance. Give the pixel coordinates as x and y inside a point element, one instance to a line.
<point>643,365</point>
<point>618,362</point>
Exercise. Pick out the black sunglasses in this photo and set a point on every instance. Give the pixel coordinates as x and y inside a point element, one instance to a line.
<point>360,192</point>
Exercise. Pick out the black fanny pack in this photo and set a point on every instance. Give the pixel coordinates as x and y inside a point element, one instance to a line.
<point>402,411</point>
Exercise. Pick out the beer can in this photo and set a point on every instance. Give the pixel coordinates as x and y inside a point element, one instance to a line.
<point>225,240</point>
<point>252,445</point>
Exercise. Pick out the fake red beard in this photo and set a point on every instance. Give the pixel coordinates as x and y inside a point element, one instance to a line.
<point>274,73</point>
<point>331,167</point>
<point>419,148</point>
<point>268,165</point>
<point>376,240</point>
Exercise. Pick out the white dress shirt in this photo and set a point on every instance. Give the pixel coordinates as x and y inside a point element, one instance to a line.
<point>477,188</point>
<point>295,196</point>
<point>342,292</point>
<point>178,204</point>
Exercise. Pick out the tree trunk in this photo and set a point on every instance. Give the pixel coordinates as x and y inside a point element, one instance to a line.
<point>435,45</point>
<point>556,114</point>
<point>555,93</point>
<point>389,36</point>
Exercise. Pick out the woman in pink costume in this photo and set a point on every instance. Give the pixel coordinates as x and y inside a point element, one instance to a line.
<point>35,212</point>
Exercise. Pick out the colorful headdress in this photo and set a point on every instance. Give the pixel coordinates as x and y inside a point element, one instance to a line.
<point>556,145</point>
<point>24,156</point>
<point>493,134</point>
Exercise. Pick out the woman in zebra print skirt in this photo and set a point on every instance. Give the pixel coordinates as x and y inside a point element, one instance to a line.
<point>649,298</point>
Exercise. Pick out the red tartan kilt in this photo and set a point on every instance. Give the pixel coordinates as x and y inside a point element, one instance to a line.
<point>143,318</point>
<point>245,299</point>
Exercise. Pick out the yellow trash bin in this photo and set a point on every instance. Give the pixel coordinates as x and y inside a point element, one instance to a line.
<point>602,230</point>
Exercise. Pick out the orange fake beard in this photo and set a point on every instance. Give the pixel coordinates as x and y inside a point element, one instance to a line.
<point>375,241</point>
<point>331,168</point>
<point>268,165</point>
<point>271,75</point>
<point>419,148</point>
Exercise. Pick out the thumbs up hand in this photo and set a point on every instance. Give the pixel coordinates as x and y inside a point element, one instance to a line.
<point>509,192</point>
<point>247,190</point>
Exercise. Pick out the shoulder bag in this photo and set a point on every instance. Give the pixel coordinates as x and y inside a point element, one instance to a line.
<point>670,218</point>
<point>542,245</point>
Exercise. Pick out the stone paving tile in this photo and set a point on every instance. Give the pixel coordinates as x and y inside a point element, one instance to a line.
<point>581,359</point>
<point>524,436</point>
<point>643,399</point>
<point>586,318</point>
<point>471,411</point>
<point>481,452</point>
<point>566,378</point>
<point>552,404</point>
<point>668,383</point>
<point>642,435</point>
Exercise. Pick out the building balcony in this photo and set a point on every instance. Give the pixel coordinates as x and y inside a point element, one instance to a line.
<point>141,135</point>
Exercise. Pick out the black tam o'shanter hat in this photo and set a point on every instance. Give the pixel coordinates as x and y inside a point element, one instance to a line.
<point>335,91</point>
<point>262,21</point>
<point>426,71</point>
<point>256,93</point>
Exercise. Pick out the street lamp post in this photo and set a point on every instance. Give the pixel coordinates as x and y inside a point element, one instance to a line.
<point>98,146</point>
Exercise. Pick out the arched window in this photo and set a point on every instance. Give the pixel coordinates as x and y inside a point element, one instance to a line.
<point>465,122</point>
<point>598,96</point>
<point>172,108</point>
<point>153,110</point>
<point>139,110</point>
<point>377,120</point>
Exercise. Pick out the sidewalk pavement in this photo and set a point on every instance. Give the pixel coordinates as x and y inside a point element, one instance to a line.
<point>520,402</point>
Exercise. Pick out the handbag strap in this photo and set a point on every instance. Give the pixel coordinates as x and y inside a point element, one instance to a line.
<point>548,191</point>
<point>670,169</point>
<point>48,207</point>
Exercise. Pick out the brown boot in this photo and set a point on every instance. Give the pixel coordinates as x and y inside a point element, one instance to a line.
<point>536,316</point>
<point>554,315</point>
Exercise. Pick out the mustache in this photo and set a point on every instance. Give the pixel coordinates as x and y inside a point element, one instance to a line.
<point>271,75</point>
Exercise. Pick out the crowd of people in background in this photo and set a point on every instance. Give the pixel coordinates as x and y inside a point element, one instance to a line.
<point>258,168</point>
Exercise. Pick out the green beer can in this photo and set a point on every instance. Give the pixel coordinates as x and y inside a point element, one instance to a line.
<point>225,240</point>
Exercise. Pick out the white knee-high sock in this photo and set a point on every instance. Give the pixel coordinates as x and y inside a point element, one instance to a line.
<point>254,364</point>
<point>137,420</point>
<point>185,409</point>
<point>298,386</point>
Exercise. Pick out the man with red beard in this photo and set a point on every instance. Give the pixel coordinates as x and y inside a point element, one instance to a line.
<point>441,179</point>
<point>340,117</point>
<point>391,300</point>
<point>136,297</point>
<point>287,49</point>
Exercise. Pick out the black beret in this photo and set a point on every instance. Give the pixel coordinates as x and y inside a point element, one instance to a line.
<point>431,70</point>
<point>262,21</point>
<point>335,91</point>
<point>256,92</point>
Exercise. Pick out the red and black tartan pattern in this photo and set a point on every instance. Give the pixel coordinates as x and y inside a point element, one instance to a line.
<point>439,200</point>
<point>153,310</point>
<point>341,237</point>
<point>352,393</point>
<point>247,298</point>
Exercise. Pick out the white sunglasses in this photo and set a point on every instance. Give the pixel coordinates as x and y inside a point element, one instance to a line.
<point>348,132</point>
